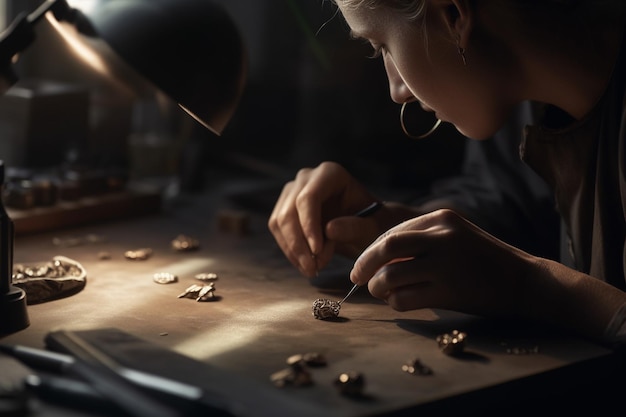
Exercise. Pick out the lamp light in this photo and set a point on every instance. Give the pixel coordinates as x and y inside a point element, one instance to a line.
<point>190,50</point>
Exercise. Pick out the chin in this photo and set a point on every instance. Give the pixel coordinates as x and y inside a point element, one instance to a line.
<point>476,134</point>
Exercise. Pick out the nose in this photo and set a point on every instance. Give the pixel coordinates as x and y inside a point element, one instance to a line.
<point>398,89</point>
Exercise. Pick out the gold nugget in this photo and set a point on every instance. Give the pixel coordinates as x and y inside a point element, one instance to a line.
<point>452,343</point>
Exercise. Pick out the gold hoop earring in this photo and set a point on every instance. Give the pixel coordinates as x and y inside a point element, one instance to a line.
<point>406,132</point>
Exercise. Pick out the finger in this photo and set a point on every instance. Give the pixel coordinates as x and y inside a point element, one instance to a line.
<point>434,281</point>
<point>435,219</point>
<point>392,248</point>
<point>412,238</point>
<point>398,274</point>
<point>318,187</point>
<point>298,253</point>
<point>285,226</point>
<point>323,258</point>
<point>413,284</point>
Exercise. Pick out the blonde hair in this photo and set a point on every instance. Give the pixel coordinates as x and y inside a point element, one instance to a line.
<point>413,9</point>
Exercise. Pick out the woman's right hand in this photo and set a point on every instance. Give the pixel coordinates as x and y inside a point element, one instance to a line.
<point>314,217</point>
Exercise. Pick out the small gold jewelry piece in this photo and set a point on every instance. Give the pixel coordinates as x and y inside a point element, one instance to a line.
<point>205,292</point>
<point>164,278</point>
<point>452,343</point>
<point>190,291</point>
<point>350,383</point>
<point>324,309</point>
<point>295,360</point>
<point>200,292</point>
<point>416,367</point>
<point>328,309</point>
<point>184,243</point>
<point>139,254</point>
<point>312,359</point>
<point>296,374</point>
<point>292,376</point>
<point>207,276</point>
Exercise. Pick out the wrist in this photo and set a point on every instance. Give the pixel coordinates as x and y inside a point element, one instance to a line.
<point>580,302</point>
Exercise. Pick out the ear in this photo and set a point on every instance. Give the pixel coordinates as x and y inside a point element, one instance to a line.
<point>458,16</point>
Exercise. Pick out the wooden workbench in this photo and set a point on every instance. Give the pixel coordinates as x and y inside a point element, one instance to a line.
<point>264,316</point>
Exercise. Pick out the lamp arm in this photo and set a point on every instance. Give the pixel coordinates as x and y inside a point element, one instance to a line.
<point>60,8</point>
<point>21,33</point>
<point>17,37</point>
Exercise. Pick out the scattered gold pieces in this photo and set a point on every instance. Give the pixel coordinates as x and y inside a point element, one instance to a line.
<point>452,343</point>
<point>164,278</point>
<point>416,367</point>
<point>292,376</point>
<point>184,243</point>
<point>297,374</point>
<point>350,383</point>
<point>312,359</point>
<point>200,292</point>
<point>139,254</point>
<point>207,276</point>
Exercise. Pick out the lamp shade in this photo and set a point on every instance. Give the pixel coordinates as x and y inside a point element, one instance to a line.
<point>189,49</point>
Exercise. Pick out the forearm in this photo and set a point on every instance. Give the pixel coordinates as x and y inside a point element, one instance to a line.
<point>576,301</point>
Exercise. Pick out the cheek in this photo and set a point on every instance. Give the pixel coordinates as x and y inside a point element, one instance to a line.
<point>458,94</point>
<point>476,108</point>
<point>483,102</point>
<point>478,114</point>
<point>432,80</point>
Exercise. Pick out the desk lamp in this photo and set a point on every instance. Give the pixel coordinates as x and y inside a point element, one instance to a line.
<point>190,50</point>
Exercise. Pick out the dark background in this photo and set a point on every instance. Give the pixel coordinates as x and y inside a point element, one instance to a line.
<point>311,95</point>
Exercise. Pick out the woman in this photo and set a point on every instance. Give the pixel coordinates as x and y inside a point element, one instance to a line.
<point>472,63</point>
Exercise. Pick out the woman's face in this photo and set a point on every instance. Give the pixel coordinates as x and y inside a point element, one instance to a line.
<point>424,63</point>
